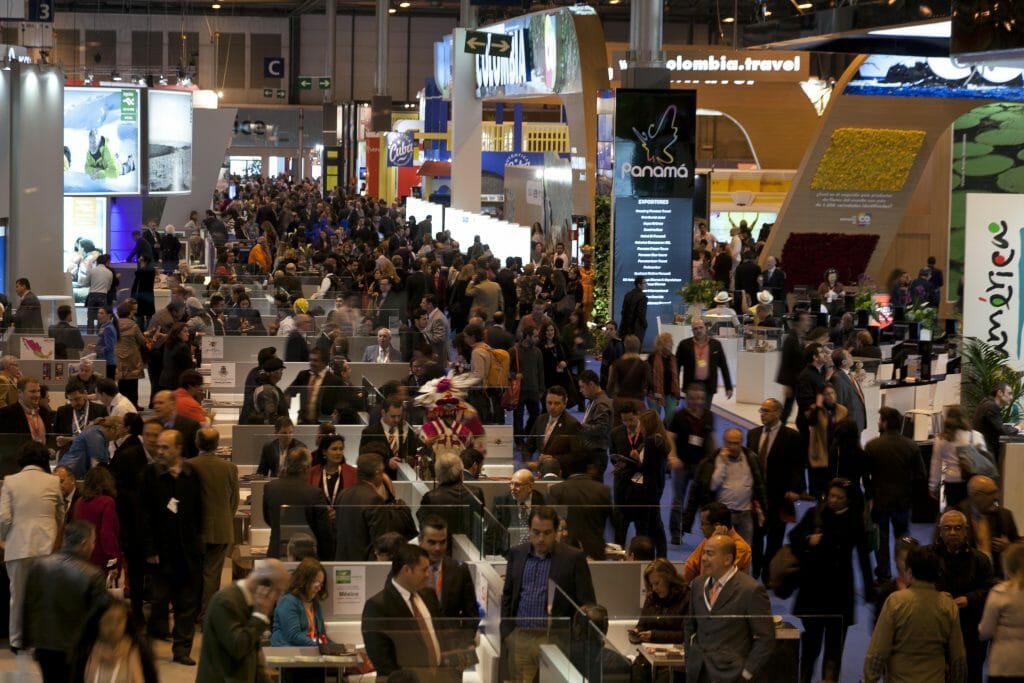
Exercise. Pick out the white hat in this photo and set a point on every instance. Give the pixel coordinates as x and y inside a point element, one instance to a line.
<point>722,297</point>
<point>765,297</point>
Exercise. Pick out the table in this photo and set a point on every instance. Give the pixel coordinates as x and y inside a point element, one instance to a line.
<point>309,658</point>
<point>668,655</point>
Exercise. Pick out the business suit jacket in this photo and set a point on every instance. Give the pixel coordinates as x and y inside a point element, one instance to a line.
<point>569,571</point>
<point>270,456</point>
<point>408,443</point>
<point>437,332</point>
<point>29,316</point>
<point>328,399</point>
<point>31,513</point>
<point>722,648</point>
<point>1000,523</point>
<point>218,482</point>
<point>559,444</point>
<point>687,359</point>
<point>589,506</point>
<point>595,430</point>
<point>354,523</point>
<point>296,350</point>
<point>505,507</point>
<point>775,282</point>
<point>634,315</point>
<point>231,640</point>
<point>457,603</point>
<point>174,536</point>
<point>792,361</point>
<point>188,428</point>
<point>785,468</point>
<point>457,504</point>
<point>848,396</point>
<point>370,354</point>
<point>296,492</point>
<point>392,639</point>
<point>64,418</point>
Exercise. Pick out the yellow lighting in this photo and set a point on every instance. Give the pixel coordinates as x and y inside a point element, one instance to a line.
<point>728,20</point>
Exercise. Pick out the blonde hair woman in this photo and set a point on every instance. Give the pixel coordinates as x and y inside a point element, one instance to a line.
<point>1002,622</point>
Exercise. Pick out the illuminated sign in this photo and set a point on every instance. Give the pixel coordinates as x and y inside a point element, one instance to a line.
<point>492,72</point>
<point>727,66</point>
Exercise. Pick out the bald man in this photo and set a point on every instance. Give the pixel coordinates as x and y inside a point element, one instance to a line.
<point>991,526</point>
<point>218,481</point>
<point>966,576</point>
<point>512,509</point>
<point>165,411</point>
<point>236,619</point>
<point>729,632</point>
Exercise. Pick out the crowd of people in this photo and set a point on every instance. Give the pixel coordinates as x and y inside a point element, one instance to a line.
<point>140,506</point>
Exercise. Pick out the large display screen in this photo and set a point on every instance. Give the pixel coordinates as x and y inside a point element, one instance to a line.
<point>170,142</point>
<point>85,220</point>
<point>101,141</point>
<point>655,133</point>
<point>900,76</point>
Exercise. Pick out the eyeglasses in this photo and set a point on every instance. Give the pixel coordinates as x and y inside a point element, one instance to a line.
<point>952,527</point>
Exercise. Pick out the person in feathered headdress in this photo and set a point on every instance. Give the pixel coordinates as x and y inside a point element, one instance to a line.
<point>451,424</point>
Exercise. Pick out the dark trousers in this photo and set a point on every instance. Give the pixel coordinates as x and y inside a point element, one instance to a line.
<point>787,406</point>
<point>767,541</point>
<point>531,406</point>
<point>135,564</point>
<point>976,649</point>
<point>92,304</point>
<point>213,567</point>
<point>111,371</point>
<point>129,388</point>
<point>643,511</point>
<point>54,665</point>
<point>831,630</point>
<point>681,479</point>
<point>900,520</point>
<point>181,588</point>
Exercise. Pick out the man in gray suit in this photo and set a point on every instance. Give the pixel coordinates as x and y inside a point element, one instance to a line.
<point>383,352</point>
<point>848,389</point>
<point>218,483</point>
<point>596,427</point>
<point>437,329</point>
<point>729,635</point>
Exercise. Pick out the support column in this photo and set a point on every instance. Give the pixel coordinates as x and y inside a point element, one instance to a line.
<point>467,14</point>
<point>646,61</point>
<point>467,112</point>
<point>330,55</point>
<point>380,106</point>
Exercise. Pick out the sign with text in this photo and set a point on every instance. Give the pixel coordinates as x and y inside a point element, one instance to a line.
<point>706,63</point>
<point>993,268</point>
<point>273,67</point>
<point>400,147</point>
<point>655,133</point>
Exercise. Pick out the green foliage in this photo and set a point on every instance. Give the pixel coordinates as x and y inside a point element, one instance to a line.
<point>700,292</point>
<point>863,299</point>
<point>598,340</point>
<point>921,312</point>
<point>985,366</point>
<point>602,251</point>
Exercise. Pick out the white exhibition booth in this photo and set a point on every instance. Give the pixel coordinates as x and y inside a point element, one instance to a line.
<point>505,239</point>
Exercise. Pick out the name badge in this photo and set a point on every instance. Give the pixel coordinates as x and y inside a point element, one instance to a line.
<point>172,505</point>
<point>696,441</point>
<point>701,363</point>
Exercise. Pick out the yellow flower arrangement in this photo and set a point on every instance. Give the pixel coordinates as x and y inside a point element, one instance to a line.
<point>868,159</point>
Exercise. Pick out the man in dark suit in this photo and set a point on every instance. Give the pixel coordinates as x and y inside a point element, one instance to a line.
<point>20,422</point>
<point>400,624</point>
<point>988,417</point>
<point>596,427</point>
<point>320,391</point>
<point>451,583</point>
<point>782,467</point>
<point>848,391</point>
<point>524,597</point>
<point>354,518</point>
<point>78,413</point>
<point>218,481</point>
<point>395,434</point>
<point>634,311</point>
<point>69,490</point>
<point>172,512</point>
<point>273,452</point>
<point>307,505</point>
<point>991,527</point>
<point>774,279</point>
<point>296,349</point>
<point>792,360</point>
<point>589,508</point>
<point>236,619</point>
<point>164,410</point>
<point>625,438</point>
<point>512,508</point>
<point>553,432</point>
<point>729,634</point>
<point>29,316</point>
<point>701,359</point>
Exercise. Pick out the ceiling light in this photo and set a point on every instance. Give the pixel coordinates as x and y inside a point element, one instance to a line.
<point>391,10</point>
<point>937,29</point>
<point>614,2</point>
<point>405,5</point>
<point>728,20</point>
<point>805,6</point>
<point>115,76</point>
<point>215,5</point>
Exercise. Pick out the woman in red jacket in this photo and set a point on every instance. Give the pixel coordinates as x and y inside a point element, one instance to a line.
<point>334,475</point>
<point>96,505</point>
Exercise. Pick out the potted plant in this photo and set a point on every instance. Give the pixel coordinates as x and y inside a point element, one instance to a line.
<point>984,366</point>
<point>928,316</point>
<point>698,295</point>
<point>864,305</point>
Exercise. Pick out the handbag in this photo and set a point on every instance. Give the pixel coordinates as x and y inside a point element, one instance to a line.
<point>512,396</point>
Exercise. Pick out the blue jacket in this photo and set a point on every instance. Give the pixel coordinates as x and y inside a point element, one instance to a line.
<point>291,626</point>
<point>89,445</point>
<point>105,342</point>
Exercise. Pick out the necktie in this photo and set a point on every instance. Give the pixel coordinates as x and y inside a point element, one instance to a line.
<point>716,588</point>
<point>428,639</point>
<point>547,432</point>
<point>856,386</point>
<point>393,440</point>
<point>314,384</point>
<point>762,453</point>
<point>36,427</point>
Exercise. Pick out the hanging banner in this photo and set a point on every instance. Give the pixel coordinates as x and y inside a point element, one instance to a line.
<point>993,270</point>
<point>400,146</point>
<point>652,220</point>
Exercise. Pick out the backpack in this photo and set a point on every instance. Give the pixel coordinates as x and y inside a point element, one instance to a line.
<point>499,370</point>
<point>974,460</point>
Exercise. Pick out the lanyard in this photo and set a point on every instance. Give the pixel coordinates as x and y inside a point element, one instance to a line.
<point>634,439</point>
<point>76,424</point>
<point>337,482</point>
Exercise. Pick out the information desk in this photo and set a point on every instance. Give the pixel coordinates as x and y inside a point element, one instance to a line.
<point>755,377</point>
<point>309,658</point>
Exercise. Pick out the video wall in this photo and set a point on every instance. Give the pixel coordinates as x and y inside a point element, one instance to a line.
<point>103,130</point>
